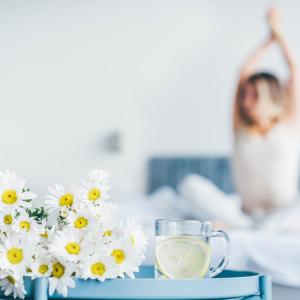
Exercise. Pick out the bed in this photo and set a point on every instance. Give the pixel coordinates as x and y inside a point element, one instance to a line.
<point>169,171</point>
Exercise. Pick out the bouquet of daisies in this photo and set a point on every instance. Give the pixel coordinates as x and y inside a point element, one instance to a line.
<point>76,233</point>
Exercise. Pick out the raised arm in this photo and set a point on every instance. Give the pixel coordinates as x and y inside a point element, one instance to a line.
<point>248,69</point>
<point>292,84</point>
<point>250,66</point>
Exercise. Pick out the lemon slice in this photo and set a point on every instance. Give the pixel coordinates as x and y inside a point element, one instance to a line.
<point>181,257</point>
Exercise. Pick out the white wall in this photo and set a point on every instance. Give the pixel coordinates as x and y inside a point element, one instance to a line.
<point>161,72</point>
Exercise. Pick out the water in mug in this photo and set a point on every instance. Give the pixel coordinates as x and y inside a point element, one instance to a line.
<point>182,256</point>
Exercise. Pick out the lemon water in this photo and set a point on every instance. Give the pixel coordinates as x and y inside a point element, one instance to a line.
<point>182,257</point>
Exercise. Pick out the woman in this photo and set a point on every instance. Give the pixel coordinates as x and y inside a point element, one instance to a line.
<point>265,124</point>
<point>265,156</point>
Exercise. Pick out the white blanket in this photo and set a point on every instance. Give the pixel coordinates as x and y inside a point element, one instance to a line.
<point>273,253</point>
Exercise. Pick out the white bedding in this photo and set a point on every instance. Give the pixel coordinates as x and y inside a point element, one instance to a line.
<point>267,252</point>
<point>272,248</point>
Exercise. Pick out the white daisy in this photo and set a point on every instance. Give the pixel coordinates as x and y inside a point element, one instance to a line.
<point>126,258</point>
<point>15,253</point>
<point>99,266</point>
<point>24,224</point>
<point>41,264</point>
<point>110,231</point>
<point>7,219</point>
<point>13,192</point>
<point>12,285</point>
<point>58,200</point>
<point>136,235</point>
<point>61,278</point>
<point>69,245</point>
<point>81,218</point>
<point>96,188</point>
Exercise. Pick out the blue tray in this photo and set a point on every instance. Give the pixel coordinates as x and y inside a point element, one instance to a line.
<point>228,285</point>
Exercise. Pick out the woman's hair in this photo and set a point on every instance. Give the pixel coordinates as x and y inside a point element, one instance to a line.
<point>275,91</point>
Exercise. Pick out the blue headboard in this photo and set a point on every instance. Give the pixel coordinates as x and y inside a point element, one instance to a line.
<point>169,171</point>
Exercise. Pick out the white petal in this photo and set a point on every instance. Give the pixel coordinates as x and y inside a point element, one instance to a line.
<point>52,286</point>
<point>27,196</point>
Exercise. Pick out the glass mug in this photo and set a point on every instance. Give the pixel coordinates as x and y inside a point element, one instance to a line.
<point>183,249</point>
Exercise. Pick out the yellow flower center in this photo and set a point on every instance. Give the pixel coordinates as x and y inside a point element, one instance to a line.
<point>44,235</point>
<point>43,269</point>
<point>25,225</point>
<point>80,223</point>
<point>118,255</point>
<point>58,270</point>
<point>14,255</point>
<point>9,197</point>
<point>11,279</point>
<point>107,233</point>
<point>98,269</point>
<point>94,194</point>
<point>73,248</point>
<point>7,219</point>
<point>66,200</point>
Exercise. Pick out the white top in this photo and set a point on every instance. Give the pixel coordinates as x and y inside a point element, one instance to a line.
<point>266,168</point>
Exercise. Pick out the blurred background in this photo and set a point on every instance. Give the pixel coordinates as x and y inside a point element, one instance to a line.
<point>112,84</point>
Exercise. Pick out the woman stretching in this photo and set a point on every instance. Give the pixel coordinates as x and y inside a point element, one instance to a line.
<point>265,159</point>
<point>265,125</point>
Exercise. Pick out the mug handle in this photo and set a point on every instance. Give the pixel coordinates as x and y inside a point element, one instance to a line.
<point>224,261</point>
